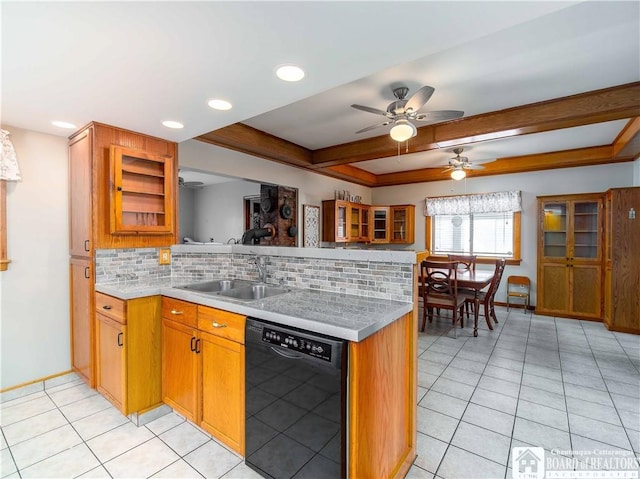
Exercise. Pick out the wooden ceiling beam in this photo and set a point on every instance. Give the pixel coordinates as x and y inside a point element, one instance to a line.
<point>596,155</point>
<point>245,139</point>
<point>627,143</point>
<point>597,106</point>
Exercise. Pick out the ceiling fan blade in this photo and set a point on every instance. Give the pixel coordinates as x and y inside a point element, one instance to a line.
<point>373,127</point>
<point>369,109</point>
<point>440,115</point>
<point>469,166</point>
<point>419,98</point>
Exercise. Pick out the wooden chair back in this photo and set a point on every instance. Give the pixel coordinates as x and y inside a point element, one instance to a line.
<point>465,262</point>
<point>497,277</point>
<point>440,283</point>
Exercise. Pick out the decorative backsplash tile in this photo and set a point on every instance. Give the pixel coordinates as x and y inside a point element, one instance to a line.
<point>383,280</point>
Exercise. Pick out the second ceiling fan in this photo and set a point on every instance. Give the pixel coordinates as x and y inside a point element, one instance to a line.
<point>402,112</point>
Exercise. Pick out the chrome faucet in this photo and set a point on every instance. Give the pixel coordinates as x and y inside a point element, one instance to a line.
<point>261,264</point>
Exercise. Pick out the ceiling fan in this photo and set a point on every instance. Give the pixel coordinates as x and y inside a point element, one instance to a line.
<point>189,184</point>
<point>458,164</point>
<point>402,112</point>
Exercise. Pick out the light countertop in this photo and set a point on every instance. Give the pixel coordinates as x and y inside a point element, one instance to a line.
<point>349,317</point>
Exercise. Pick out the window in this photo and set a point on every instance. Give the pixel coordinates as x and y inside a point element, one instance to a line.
<point>486,235</point>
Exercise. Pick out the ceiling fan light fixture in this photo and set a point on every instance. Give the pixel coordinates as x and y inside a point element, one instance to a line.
<point>458,173</point>
<point>403,130</point>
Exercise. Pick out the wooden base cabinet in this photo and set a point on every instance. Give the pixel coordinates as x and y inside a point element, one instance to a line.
<point>570,251</point>
<point>128,352</point>
<point>203,368</point>
<point>82,327</point>
<point>622,261</point>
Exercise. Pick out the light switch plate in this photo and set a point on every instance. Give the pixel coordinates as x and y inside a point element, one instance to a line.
<point>164,256</point>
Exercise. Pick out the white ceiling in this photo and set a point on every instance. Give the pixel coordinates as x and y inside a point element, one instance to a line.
<point>135,64</point>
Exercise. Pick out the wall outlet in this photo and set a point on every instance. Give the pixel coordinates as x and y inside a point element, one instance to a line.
<point>164,256</point>
<point>632,214</point>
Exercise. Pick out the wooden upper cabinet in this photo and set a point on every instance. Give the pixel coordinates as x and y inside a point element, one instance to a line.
<point>142,194</point>
<point>379,224</point>
<point>122,190</point>
<point>335,227</point>
<point>80,195</point>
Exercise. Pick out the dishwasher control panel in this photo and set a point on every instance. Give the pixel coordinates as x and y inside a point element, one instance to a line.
<point>310,347</point>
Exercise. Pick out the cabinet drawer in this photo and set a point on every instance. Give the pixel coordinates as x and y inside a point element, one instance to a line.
<point>112,307</point>
<point>180,311</point>
<point>221,323</point>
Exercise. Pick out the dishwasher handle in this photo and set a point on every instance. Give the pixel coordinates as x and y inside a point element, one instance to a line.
<point>285,355</point>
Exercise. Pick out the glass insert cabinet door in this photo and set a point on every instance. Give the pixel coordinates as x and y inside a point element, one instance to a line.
<point>585,229</point>
<point>554,230</point>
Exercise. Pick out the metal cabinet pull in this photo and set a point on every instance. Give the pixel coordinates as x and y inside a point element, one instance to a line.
<point>87,273</point>
<point>218,325</point>
<point>197,346</point>
<point>120,339</point>
<point>106,306</point>
<point>86,245</point>
<point>193,343</point>
<point>176,312</point>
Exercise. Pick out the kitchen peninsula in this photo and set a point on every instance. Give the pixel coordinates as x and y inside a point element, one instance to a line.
<point>363,297</point>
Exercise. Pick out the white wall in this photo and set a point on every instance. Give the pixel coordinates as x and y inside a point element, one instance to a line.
<point>312,187</point>
<point>34,311</point>
<point>219,210</point>
<point>585,179</point>
<point>636,172</point>
<point>186,213</point>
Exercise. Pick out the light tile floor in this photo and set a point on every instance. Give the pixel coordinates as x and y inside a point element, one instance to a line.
<point>532,381</point>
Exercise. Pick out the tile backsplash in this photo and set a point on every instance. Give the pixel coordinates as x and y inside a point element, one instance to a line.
<point>384,280</point>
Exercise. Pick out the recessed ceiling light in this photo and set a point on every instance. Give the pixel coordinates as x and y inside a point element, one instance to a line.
<point>63,124</point>
<point>290,73</point>
<point>218,104</point>
<point>173,124</point>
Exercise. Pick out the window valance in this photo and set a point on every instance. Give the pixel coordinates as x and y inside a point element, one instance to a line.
<point>497,202</point>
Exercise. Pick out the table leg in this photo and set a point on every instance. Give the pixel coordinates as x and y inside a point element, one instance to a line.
<point>476,308</point>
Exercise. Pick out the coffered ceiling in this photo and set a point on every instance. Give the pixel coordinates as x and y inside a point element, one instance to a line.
<point>542,84</point>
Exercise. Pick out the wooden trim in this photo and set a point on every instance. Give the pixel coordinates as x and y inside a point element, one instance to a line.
<point>627,143</point>
<point>243,138</point>
<point>515,260</point>
<point>4,261</point>
<point>42,380</point>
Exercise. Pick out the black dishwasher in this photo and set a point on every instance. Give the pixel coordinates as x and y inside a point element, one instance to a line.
<point>295,402</point>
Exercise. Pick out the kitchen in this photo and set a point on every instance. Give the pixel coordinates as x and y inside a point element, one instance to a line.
<point>38,240</point>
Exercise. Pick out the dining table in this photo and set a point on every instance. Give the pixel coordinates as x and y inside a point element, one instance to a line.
<point>475,280</point>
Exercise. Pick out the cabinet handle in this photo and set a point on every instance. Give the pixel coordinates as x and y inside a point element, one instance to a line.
<point>218,325</point>
<point>86,245</point>
<point>197,346</point>
<point>193,343</point>
<point>120,339</point>
<point>106,306</point>
<point>87,274</point>
<point>119,188</point>
<point>176,312</point>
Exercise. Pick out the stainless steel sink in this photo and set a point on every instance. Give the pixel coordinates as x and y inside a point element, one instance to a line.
<point>253,292</point>
<point>216,285</point>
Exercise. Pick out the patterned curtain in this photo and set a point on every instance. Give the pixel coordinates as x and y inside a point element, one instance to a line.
<point>9,169</point>
<point>497,202</point>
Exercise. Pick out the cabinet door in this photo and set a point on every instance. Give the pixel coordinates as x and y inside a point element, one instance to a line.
<point>586,298</point>
<point>142,196</point>
<point>365,231</point>
<point>585,229</point>
<point>82,327</point>
<point>180,369</point>
<point>554,286</point>
<point>554,227</point>
<point>80,191</point>
<point>223,390</point>
<point>111,376</point>
<point>355,221</point>
<point>402,220</point>
<point>380,229</point>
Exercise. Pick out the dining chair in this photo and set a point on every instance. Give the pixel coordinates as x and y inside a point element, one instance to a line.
<point>519,287</point>
<point>440,291</point>
<point>486,298</point>
<point>466,262</point>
